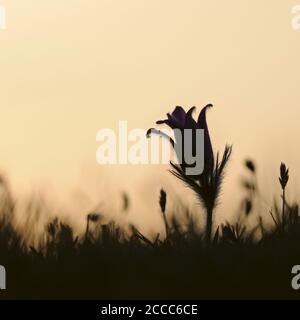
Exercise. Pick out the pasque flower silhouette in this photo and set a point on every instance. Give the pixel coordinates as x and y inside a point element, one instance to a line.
<point>206,185</point>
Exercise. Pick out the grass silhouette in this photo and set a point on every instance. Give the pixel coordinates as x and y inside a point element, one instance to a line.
<point>232,260</point>
<point>109,262</point>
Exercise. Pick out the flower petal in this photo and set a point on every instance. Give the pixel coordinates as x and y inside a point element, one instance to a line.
<point>160,133</point>
<point>202,117</point>
<point>190,123</point>
<point>208,151</point>
<point>179,114</point>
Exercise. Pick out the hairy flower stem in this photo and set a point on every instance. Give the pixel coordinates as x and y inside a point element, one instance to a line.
<point>87,230</point>
<point>283,208</point>
<point>209,216</point>
<point>283,179</point>
<point>166,225</point>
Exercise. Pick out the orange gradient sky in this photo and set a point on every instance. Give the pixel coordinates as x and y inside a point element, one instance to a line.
<point>71,67</point>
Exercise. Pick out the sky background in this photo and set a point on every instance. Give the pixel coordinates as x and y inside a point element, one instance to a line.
<point>71,67</point>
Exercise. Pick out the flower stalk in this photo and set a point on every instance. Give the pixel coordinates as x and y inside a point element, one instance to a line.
<point>206,184</point>
<point>283,179</point>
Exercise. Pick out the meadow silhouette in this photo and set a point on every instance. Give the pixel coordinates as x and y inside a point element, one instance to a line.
<point>109,261</point>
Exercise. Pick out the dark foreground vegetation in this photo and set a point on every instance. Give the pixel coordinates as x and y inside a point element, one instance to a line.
<point>106,262</point>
